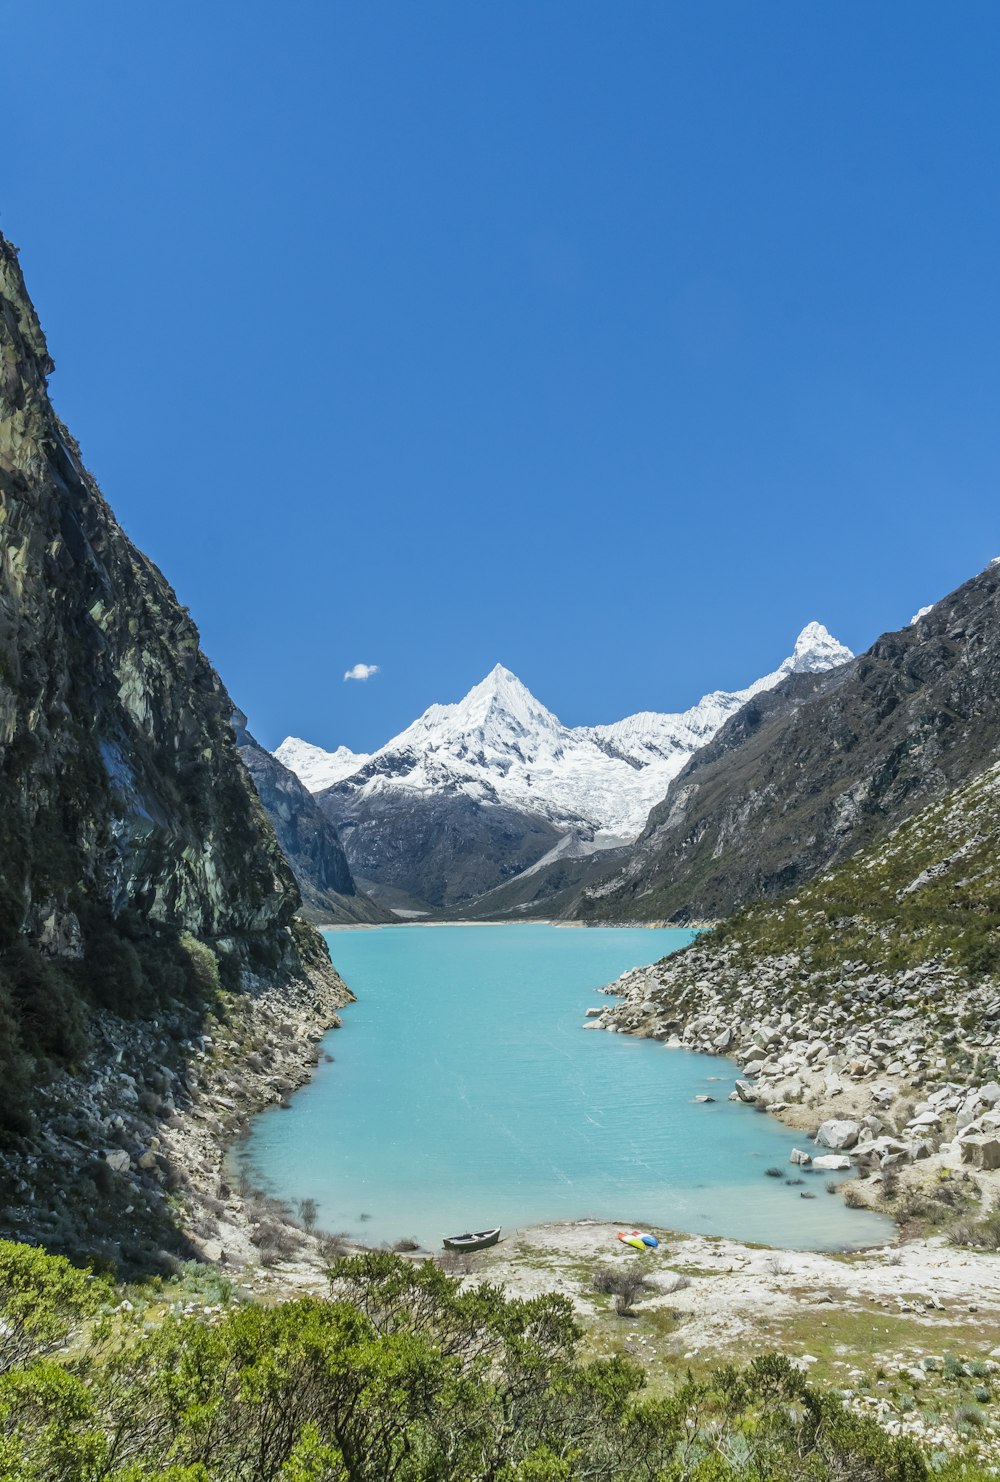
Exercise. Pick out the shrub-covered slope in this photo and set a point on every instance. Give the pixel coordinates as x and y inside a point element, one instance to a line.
<point>878,980</point>
<point>403,1376</point>
<point>930,892</point>
<point>803,777</point>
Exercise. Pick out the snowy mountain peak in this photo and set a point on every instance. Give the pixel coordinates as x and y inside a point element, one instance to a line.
<point>816,648</point>
<point>498,699</point>
<point>315,768</point>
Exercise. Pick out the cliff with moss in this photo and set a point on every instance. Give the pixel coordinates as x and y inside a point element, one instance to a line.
<point>140,879</point>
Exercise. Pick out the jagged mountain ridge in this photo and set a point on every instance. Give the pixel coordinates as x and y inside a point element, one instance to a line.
<point>476,793</point>
<point>823,765</point>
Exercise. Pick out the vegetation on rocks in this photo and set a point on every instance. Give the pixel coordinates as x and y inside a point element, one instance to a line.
<point>141,885</point>
<point>930,892</point>
<point>865,1009</point>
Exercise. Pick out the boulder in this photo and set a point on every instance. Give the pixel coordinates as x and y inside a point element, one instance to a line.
<point>703,1100</point>
<point>981,1152</point>
<point>831,1162</point>
<point>724,1040</point>
<point>117,1159</point>
<point>745,1091</point>
<point>990,1093</point>
<point>798,1156</point>
<point>837,1134</point>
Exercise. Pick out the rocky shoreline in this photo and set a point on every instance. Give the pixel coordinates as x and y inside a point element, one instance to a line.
<point>128,1161</point>
<point>892,1074</point>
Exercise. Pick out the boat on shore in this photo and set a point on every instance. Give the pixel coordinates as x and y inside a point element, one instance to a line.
<point>472,1240</point>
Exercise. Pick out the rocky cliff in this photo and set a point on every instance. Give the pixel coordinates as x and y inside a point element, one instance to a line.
<point>307,837</point>
<point>140,880</point>
<point>825,764</point>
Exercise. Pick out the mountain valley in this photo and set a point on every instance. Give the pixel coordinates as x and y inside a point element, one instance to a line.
<point>481,805</point>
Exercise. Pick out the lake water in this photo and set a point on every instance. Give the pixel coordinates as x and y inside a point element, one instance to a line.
<point>464,1093</point>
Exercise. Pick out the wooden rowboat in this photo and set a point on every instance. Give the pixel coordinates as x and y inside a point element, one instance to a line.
<point>473,1240</point>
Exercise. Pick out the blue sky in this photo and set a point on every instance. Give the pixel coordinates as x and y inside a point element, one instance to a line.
<point>613,342</point>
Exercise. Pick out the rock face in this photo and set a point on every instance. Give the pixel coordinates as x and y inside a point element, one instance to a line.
<point>307,837</point>
<point>495,794</point>
<point>137,868</point>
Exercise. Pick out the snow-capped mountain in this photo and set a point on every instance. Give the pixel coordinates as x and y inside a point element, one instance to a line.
<point>315,768</point>
<point>500,746</point>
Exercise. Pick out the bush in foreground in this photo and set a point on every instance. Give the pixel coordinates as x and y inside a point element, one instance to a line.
<point>403,1376</point>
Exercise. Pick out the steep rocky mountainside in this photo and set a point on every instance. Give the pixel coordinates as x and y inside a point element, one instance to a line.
<point>868,1003</point>
<point>822,766</point>
<point>474,796</point>
<point>140,880</point>
<point>307,837</point>
<point>442,850</point>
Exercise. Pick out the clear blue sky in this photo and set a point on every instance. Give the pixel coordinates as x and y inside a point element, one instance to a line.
<point>613,342</point>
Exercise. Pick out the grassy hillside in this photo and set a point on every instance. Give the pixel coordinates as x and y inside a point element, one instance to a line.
<point>930,891</point>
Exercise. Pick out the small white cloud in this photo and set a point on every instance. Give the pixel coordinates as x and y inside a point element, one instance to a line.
<point>362,671</point>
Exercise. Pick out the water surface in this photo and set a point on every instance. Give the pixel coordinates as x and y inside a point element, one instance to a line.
<point>464,1093</point>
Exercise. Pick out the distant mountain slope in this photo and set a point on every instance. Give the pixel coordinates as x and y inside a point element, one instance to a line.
<point>473,794</point>
<point>821,766</point>
<point>928,893</point>
<point>307,837</point>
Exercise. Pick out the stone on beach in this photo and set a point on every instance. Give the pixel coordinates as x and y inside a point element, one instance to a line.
<point>838,1134</point>
<point>831,1162</point>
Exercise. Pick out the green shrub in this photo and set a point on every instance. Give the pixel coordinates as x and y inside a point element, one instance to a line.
<point>401,1375</point>
<point>42,1297</point>
<point>202,966</point>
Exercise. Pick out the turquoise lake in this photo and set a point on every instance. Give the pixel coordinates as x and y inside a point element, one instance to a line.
<point>464,1093</point>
